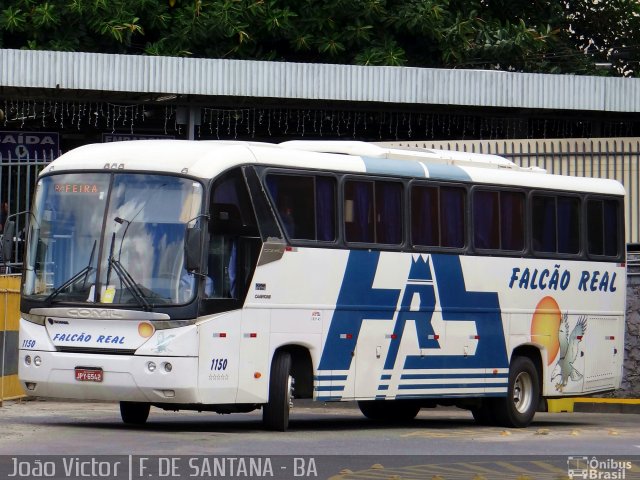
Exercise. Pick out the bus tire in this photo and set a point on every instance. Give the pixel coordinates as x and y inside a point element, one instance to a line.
<point>275,413</point>
<point>389,410</point>
<point>523,395</point>
<point>134,413</point>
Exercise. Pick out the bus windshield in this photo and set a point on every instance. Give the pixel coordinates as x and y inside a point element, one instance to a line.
<point>111,238</point>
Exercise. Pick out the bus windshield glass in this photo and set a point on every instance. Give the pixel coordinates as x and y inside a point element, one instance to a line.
<point>111,238</point>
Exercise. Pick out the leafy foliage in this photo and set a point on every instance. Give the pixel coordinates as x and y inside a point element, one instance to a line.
<point>521,35</point>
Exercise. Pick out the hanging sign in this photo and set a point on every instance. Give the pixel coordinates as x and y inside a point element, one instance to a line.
<point>24,146</point>
<point>123,137</point>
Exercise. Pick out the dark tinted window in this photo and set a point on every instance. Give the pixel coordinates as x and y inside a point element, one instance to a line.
<point>425,216</point>
<point>512,220</point>
<point>556,224</point>
<point>498,220</point>
<point>437,216</point>
<point>305,205</point>
<point>568,225</point>
<point>602,227</point>
<point>389,213</point>
<point>452,231</point>
<point>486,219</point>
<point>358,211</point>
<point>373,212</point>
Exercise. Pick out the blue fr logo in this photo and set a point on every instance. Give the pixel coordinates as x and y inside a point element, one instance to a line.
<point>358,300</point>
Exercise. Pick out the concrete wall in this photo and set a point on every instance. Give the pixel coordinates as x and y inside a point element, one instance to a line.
<point>631,374</point>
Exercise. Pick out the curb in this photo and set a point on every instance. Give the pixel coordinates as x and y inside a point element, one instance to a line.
<point>594,405</point>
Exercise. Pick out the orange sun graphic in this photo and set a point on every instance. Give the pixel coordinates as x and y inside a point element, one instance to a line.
<point>545,325</point>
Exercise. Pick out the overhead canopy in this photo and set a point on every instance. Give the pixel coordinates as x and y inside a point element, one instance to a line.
<point>199,79</point>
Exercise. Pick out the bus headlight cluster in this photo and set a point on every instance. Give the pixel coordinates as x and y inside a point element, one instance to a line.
<point>37,361</point>
<point>164,367</point>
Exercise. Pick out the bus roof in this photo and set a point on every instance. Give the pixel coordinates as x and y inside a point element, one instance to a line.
<point>206,159</point>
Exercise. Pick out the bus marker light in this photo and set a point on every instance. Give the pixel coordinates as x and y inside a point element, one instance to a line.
<point>392,336</point>
<point>257,375</point>
<point>220,335</point>
<point>145,329</point>
<point>474,337</point>
<point>495,371</point>
<point>606,338</point>
<point>434,337</point>
<point>579,337</point>
<point>250,335</point>
<point>346,336</point>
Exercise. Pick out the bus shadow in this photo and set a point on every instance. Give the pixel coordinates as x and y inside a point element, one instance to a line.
<point>320,423</point>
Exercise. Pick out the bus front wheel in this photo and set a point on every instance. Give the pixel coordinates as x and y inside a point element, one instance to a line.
<point>523,395</point>
<point>275,413</point>
<point>134,413</point>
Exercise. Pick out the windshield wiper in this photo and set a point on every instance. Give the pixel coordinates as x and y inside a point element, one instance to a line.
<point>126,278</point>
<point>84,272</point>
<point>130,283</point>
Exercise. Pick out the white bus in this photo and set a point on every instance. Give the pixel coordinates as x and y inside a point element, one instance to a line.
<point>232,276</point>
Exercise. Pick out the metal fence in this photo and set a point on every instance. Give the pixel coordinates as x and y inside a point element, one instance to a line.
<point>17,181</point>
<point>614,158</point>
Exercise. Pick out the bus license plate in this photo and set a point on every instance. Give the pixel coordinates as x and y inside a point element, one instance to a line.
<point>89,374</point>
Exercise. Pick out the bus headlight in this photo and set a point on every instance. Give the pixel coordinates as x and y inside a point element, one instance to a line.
<point>27,360</point>
<point>168,367</point>
<point>37,361</point>
<point>151,366</point>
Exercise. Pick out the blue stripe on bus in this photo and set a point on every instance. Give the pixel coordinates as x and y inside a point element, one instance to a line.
<point>407,168</point>
<point>383,387</point>
<point>425,376</point>
<point>447,172</point>
<point>448,386</point>
<point>385,377</point>
<point>328,399</point>
<point>380,397</point>
<point>408,396</point>
<point>322,378</point>
<point>329,388</point>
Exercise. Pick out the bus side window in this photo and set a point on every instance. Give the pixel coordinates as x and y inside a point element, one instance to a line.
<point>233,232</point>
<point>602,227</point>
<point>221,260</point>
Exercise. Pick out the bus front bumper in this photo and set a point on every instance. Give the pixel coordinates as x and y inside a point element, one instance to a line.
<point>109,377</point>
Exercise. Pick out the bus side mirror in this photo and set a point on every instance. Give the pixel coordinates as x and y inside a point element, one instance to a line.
<point>193,248</point>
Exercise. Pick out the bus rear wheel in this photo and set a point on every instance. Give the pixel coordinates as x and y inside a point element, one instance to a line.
<point>523,395</point>
<point>389,410</point>
<point>275,413</point>
<point>134,413</point>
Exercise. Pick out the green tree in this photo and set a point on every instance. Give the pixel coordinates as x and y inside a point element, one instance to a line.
<point>567,36</point>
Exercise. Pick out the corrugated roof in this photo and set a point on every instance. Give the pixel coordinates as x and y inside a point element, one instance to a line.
<point>304,81</point>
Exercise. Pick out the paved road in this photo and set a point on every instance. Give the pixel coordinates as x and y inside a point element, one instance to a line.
<point>439,442</point>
